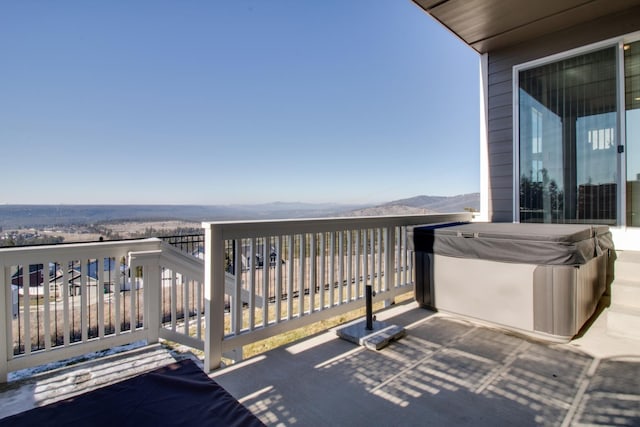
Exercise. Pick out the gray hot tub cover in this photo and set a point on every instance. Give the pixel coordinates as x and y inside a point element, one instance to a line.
<point>549,244</point>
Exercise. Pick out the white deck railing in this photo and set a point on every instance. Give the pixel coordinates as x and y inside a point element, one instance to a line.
<point>80,298</point>
<point>311,269</point>
<point>258,279</point>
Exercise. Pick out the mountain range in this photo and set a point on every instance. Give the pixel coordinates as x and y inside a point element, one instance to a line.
<point>20,216</point>
<point>424,205</point>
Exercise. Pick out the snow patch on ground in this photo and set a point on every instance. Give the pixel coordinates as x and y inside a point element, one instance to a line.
<point>30,372</point>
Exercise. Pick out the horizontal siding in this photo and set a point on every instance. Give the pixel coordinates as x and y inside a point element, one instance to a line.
<point>503,182</point>
<point>503,99</point>
<point>502,170</point>
<point>496,77</point>
<point>499,123</point>
<point>502,210</point>
<point>501,112</point>
<point>500,73</point>
<point>500,137</point>
<point>505,158</point>
<point>504,136</point>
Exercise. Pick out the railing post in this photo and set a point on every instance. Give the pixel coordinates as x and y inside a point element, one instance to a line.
<point>154,309</point>
<point>6,314</point>
<point>150,262</point>
<point>390,260</point>
<point>214,281</point>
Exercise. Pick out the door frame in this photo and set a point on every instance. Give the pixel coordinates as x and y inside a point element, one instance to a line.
<point>619,42</point>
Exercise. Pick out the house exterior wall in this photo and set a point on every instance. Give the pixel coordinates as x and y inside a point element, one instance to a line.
<point>499,117</point>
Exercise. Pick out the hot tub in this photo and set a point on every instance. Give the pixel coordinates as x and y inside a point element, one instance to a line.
<point>539,279</point>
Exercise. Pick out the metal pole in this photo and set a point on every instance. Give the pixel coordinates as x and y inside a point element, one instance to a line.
<point>369,306</point>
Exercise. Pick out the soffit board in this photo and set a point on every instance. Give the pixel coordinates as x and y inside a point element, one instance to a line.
<point>494,24</point>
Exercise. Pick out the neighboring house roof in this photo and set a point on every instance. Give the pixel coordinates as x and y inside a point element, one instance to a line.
<point>487,25</point>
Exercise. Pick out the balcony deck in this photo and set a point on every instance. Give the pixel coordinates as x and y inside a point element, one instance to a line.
<point>445,371</point>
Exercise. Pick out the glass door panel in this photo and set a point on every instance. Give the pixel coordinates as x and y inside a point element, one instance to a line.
<point>568,140</point>
<point>632,119</point>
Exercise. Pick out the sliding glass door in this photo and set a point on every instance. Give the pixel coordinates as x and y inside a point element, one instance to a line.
<point>632,120</point>
<point>568,140</point>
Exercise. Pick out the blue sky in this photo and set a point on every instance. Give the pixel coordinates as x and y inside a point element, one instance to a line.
<point>238,101</point>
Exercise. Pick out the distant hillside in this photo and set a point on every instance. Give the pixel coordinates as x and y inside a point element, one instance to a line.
<point>424,205</point>
<point>442,204</point>
<point>388,209</point>
<point>24,216</point>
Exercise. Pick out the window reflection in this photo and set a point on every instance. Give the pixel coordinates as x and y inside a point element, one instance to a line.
<point>632,119</point>
<point>568,143</point>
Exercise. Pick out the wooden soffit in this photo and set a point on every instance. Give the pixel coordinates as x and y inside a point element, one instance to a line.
<point>487,25</point>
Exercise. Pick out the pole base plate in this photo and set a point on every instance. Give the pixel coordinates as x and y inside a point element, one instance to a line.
<point>375,339</point>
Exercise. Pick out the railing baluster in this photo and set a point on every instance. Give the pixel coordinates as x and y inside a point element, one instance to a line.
<point>358,262</point>
<point>341,279</point>
<point>387,238</point>
<point>252,284</point>
<point>132,299</point>
<point>312,273</point>
<point>120,275</point>
<point>26,299</point>
<point>332,271</point>
<point>291,252</point>
<point>372,259</point>
<point>300,277</point>
<point>46,321</point>
<point>322,278</point>
<point>265,282</point>
<point>235,305</point>
<point>278,284</point>
<point>379,260</point>
<point>350,281</point>
<point>404,254</point>
<point>398,258</point>
<point>185,302</point>
<point>100,287</point>
<point>84,334</point>
<point>173,299</point>
<point>65,301</point>
<point>6,321</point>
<point>200,309</point>
<point>407,251</point>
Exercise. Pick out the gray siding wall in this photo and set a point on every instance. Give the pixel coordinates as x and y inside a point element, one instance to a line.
<point>500,96</point>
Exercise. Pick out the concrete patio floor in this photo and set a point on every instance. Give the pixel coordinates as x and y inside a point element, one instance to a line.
<point>446,371</point>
